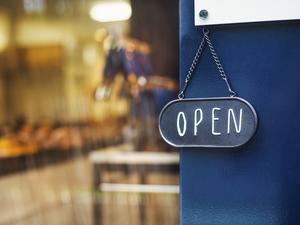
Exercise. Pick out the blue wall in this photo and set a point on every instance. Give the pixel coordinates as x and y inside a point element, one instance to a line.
<point>258,184</point>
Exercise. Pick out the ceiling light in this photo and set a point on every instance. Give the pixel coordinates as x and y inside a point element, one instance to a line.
<point>111,11</point>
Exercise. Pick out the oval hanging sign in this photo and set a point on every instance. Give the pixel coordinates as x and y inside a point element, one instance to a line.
<point>208,122</point>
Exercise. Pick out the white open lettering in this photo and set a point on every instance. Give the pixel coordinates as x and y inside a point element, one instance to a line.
<point>238,127</point>
<point>197,120</point>
<point>213,121</point>
<point>199,117</point>
<point>180,131</point>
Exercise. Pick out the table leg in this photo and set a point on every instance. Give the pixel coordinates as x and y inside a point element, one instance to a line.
<point>142,202</point>
<point>97,207</point>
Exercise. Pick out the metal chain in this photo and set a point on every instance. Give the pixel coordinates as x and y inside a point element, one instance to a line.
<point>192,68</point>
<point>217,61</point>
<point>196,59</point>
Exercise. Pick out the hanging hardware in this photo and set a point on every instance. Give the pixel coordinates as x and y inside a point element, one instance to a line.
<point>206,40</point>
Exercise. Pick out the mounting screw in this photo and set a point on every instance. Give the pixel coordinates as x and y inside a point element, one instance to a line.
<point>203,13</point>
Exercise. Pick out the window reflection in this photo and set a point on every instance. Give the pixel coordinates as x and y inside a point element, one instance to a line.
<point>76,95</point>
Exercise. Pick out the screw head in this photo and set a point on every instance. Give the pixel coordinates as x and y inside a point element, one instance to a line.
<point>203,13</point>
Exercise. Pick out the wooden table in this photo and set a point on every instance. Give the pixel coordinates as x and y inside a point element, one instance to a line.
<point>122,159</point>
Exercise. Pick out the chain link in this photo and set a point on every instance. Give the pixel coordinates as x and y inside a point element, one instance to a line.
<point>192,68</point>
<point>214,54</point>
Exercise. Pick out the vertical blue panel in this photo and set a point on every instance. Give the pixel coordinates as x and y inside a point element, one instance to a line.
<point>258,184</point>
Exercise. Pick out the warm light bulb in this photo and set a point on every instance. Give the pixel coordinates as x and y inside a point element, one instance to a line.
<point>111,11</point>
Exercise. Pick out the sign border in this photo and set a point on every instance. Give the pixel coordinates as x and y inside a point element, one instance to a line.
<point>212,98</point>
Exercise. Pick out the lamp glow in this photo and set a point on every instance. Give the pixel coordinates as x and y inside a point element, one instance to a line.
<point>111,11</point>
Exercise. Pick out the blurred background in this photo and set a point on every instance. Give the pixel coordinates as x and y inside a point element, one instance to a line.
<point>81,86</point>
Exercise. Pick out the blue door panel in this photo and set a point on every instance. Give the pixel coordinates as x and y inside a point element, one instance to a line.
<point>259,183</point>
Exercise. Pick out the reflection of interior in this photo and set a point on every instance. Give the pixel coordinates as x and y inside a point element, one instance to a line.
<point>81,86</point>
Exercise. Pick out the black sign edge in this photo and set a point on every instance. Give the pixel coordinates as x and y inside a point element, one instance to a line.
<point>212,98</point>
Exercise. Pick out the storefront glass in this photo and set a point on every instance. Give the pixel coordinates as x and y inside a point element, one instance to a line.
<point>80,79</point>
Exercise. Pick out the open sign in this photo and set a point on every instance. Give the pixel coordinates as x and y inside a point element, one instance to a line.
<point>210,122</point>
